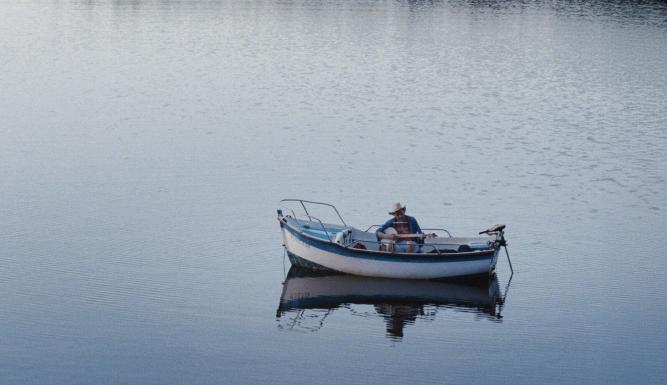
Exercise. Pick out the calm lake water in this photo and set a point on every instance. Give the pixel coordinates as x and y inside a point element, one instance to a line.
<point>146,144</point>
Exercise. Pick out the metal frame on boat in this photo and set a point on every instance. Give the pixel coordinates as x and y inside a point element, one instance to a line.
<point>313,243</point>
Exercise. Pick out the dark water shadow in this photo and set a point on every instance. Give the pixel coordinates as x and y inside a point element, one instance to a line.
<point>309,297</point>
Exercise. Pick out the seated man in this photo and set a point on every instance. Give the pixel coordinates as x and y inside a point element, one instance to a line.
<point>390,233</point>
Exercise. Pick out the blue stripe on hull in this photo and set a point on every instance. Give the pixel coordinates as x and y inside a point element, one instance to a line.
<point>381,256</point>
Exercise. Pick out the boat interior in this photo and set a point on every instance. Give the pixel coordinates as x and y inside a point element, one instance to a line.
<point>438,241</point>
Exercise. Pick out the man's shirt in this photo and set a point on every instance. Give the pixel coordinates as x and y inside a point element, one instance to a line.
<point>413,226</point>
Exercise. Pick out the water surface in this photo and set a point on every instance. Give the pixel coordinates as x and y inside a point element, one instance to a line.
<point>146,144</point>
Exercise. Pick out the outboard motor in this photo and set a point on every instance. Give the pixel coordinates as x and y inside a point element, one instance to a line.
<point>499,232</point>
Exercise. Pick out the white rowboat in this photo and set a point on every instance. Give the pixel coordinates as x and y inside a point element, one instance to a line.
<point>311,243</point>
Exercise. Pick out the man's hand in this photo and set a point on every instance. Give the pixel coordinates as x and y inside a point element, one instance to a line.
<point>388,236</point>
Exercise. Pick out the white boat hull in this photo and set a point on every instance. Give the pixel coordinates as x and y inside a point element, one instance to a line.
<point>331,256</point>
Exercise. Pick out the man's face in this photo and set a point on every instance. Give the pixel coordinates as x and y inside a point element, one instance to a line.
<point>399,214</point>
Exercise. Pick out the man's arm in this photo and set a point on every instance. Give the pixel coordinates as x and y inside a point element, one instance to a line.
<point>379,233</point>
<point>416,228</point>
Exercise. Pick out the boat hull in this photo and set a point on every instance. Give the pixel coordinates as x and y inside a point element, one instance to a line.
<point>307,251</point>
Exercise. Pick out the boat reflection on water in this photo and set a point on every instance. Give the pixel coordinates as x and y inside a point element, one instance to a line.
<point>309,297</point>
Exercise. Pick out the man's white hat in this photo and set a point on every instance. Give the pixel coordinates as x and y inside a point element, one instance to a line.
<point>395,207</point>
